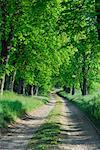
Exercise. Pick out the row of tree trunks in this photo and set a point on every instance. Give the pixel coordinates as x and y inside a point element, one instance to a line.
<point>83,87</point>
<point>34,90</point>
<point>69,90</point>
<point>84,84</point>
<point>9,84</point>
<point>27,90</point>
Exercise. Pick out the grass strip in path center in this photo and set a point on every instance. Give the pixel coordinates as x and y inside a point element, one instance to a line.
<point>46,137</point>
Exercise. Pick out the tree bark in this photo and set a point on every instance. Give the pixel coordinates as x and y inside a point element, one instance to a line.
<point>32,91</point>
<point>6,85</point>
<point>2,85</point>
<point>13,80</point>
<point>84,89</point>
<point>73,89</point>
<point>81,87</point>
<point>20,87</point>
<point>24,88</point>
<point>37,90</point>
<point>84,76</point>
<point>9,82</point>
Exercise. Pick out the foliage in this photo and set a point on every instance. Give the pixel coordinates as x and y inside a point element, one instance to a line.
<point>78,22</point>
<point>46,43</point>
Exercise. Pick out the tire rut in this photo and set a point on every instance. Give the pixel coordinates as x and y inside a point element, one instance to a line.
<point>76,130</point>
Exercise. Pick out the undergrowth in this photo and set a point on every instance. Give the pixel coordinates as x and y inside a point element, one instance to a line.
<point>13,106</point>
<point>89,104</point>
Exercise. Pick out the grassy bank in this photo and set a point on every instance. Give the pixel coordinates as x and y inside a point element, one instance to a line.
<point>90,104</point>
<point>47,135</point>
<point>13,106</point>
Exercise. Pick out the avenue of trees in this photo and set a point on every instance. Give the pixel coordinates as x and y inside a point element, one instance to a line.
<point>48,43</point>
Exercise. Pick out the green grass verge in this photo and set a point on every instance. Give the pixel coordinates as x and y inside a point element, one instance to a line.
<point>46,137</point>
<point>13,106</point>
<point>90,104</point>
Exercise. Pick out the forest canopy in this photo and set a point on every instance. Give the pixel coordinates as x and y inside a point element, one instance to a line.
<point>45,44</point>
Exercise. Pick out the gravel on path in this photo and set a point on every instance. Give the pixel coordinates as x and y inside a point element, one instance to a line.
<point>77,132</point>
<point>18,136</point>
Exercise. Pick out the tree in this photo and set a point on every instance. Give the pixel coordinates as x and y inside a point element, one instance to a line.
<point>78,22</point>
<point>97,7</point>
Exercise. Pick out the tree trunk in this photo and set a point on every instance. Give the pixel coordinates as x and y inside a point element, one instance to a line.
<point>4,56</point>
<point>84,90</point>
<point>6,85</point>
<point>3,62</point>
<point>73,90</point>
<point>37,89</point>
<point>13,80</point>
<point>4,44</point>
<point>20,87</point>
<point>84,76</point>
<point>9,82</point>
<point>32,91</point>
<point>2,85</point>
<point>24,89</point>
<point>81,86</point>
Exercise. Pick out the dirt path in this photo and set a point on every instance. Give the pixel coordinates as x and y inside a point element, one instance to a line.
<point>19,136</point>
<point>77,133</point>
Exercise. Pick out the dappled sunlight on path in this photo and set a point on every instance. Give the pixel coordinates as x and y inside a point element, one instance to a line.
<point>19,135</point>
<point>77,133</point>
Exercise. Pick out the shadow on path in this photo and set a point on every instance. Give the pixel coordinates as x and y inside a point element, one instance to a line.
<point>76,130</point>
<point>20,134</point>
